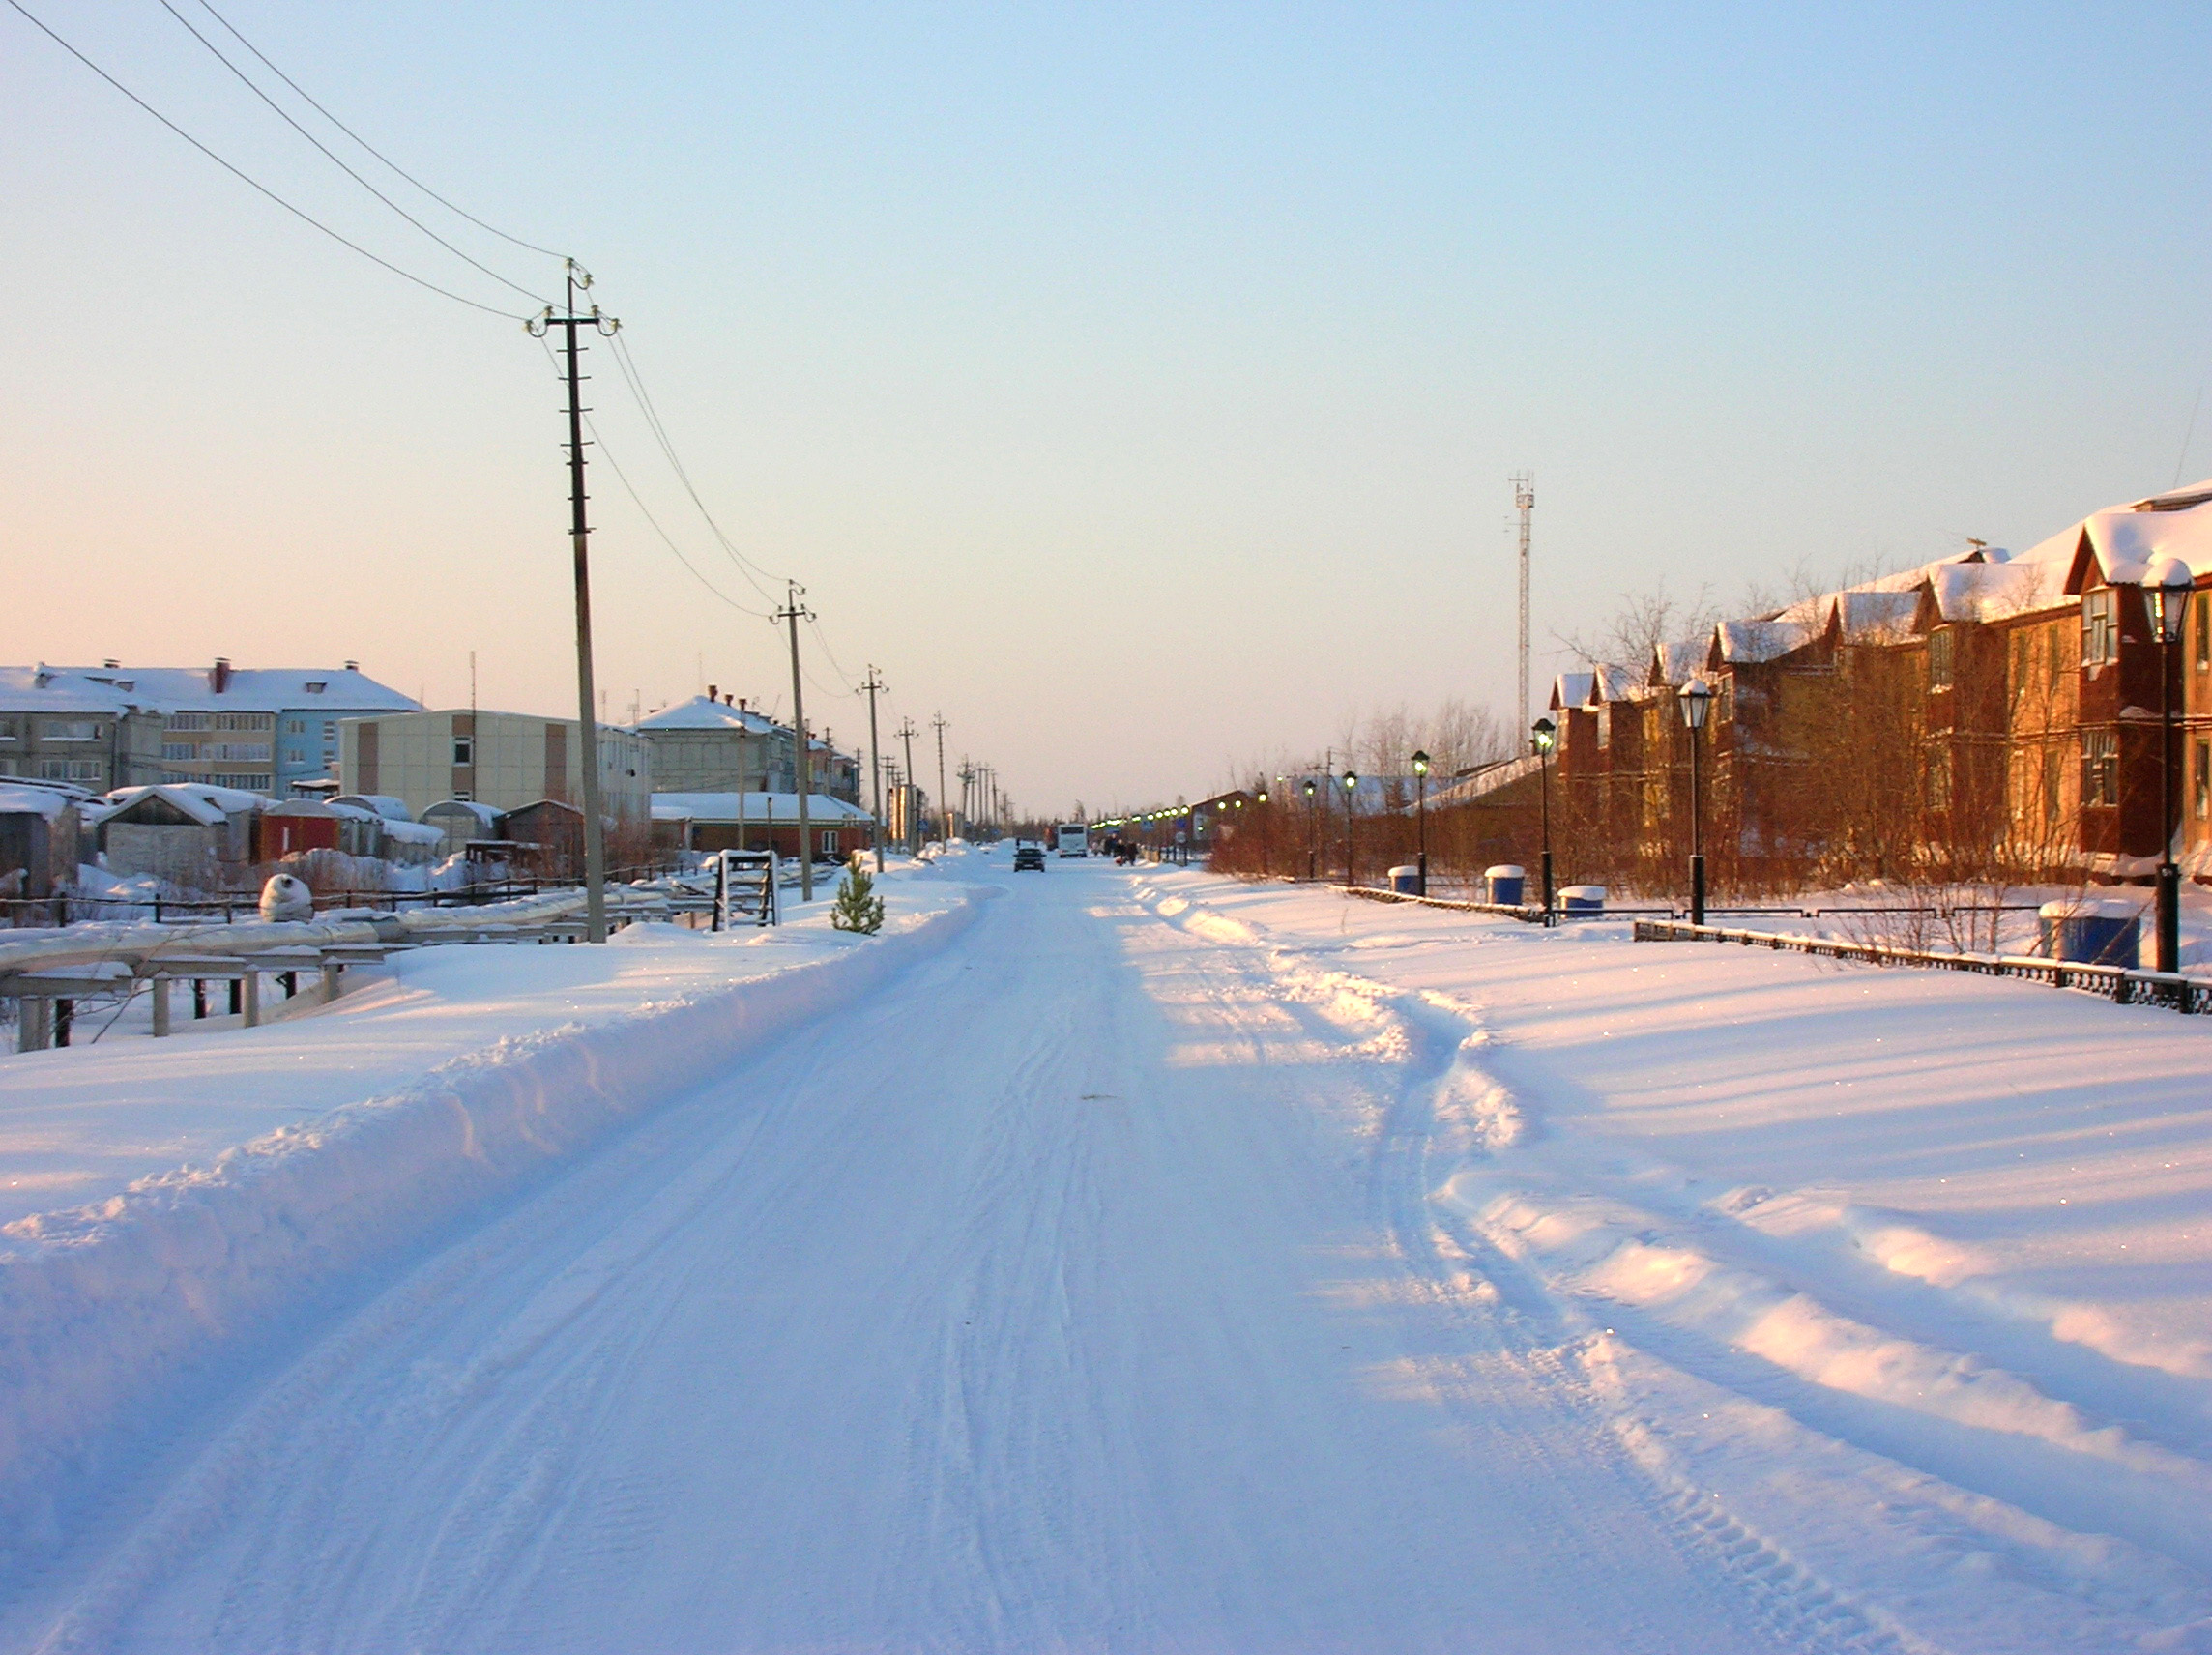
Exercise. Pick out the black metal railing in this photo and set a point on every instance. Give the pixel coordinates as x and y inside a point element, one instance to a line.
<point>2117,983</point>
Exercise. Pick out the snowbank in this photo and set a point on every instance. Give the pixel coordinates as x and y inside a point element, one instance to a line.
<point>99,1304</point>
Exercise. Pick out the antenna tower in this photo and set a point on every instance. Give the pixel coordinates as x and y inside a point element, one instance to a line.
<point>1524,498</point>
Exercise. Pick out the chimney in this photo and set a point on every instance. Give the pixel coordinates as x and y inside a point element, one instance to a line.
<point>353,666</point>
<point>710,694</point>
<point>741,704</point>
<point>219,680</point>
<point>110,665</point>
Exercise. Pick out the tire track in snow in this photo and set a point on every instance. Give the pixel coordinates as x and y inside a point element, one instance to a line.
<point>1449,1111</point>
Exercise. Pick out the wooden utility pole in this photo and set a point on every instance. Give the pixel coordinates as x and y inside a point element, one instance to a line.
<point>802,758</point>
<point>906,732</point>
<point>579,532</point>
<point>943,803</point>
<point>875,686</point>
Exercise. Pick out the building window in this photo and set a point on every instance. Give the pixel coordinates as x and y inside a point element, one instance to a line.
<point>7,730</point>
<point>1940,779</point>
<point>2100,768</point>
<point>70,729</point>
<point>295,726</point>
<point>236,752</point>
<point>2203,608</point>
<point>2201,791</point>
<point>2057,666</point>
<point>2054,780</point>
<point>830,842</point>
<point>1940,659</point>
<point>69,769</point>
<point>463,792</point>
<point>464,749</point>
<point>241,721</point>
<point>176,750</point>
<point>1605,727</point>
<point>243,783</point>
<point>2099,627</point>
<point>1724,707</point>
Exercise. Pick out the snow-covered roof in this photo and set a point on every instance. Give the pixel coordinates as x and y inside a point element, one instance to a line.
<point>1682,660</point>
<point>19,799</point>
<point>384,804</point>
<point>57,689</point>
<point>1749,643</point>
<point>2124,538</point>
<point>249,689</point>
<point>1489,779</point>
<point>208,806</point>
<point>701,714</point>
<point>1997,591</point>
<point>1884,617</point>
<point>762,807</point>
<point>1612,682</point>
<point>1571,689</point>
<point>483,813</point>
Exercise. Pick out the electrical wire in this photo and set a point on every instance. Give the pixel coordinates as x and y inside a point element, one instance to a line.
<point>634,377</point>
<point>248,179</point>
<point>286,115</point>
<point>645,510</point>
<point>531,246</point>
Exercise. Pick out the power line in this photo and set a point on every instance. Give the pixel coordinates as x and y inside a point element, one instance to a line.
<point>286,115</point>
<point>634,377</point>
<point>246,177</point>
<point>531,246</point>
<point>646,511</point>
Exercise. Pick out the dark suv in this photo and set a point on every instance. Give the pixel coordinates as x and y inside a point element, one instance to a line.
<point>1029,857</point>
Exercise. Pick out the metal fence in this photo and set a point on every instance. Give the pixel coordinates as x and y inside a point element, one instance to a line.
<point>2116,983</point>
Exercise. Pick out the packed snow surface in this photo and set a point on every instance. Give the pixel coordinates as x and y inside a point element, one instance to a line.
<point>1140,1261</point>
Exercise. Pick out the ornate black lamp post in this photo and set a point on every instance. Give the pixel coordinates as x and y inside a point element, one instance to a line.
<point>2167,585</point>
<point>1544,736</point>
<point>1313,833</point>
<point>1697,699</point>
<point>1421,816</point>
<point>1351,788</point>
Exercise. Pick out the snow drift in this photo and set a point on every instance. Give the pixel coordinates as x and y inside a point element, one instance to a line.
<point>99,1304</point>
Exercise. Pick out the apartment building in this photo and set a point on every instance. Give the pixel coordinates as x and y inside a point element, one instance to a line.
<point>501,759</point>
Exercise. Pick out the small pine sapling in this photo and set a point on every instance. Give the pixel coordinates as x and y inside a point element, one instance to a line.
<point>858,908</point>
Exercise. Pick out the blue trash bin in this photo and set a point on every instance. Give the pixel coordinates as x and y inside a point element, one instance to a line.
<point>2096,933</point>
<point>1582,899</point>
<point>1406,881</point>
<point>1506,884</point>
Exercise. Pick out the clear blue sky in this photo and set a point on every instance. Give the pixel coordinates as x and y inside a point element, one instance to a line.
<point>1137,385</point>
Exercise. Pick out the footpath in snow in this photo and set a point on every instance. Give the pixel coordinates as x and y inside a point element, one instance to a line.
<point>1137,1261</point>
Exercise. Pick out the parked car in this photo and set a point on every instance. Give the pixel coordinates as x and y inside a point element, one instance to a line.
<point>1029,857</point>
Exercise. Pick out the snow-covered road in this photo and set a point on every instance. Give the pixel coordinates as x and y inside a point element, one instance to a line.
<point>1066,1296</point>
<point>1140,1260</point>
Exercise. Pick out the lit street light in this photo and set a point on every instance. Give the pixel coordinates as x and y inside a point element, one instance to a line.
<point>2167,585</point>
<point>1697,699</point>
<point>1313,834</point>
<point>1545,735</point>
<point>1421,816</point>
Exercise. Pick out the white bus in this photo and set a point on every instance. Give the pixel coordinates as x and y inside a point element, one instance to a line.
<point>1072,840</point>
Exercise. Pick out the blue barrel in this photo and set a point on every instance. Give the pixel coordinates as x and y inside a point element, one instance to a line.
<point>2093,933</point>
<point>1582,899</point>
<point>1407,881</point>
<point>1506,884</point>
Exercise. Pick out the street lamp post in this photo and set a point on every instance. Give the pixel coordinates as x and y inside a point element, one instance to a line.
<point>1697,699</point>
<point>1351,787</point>
<point>1546,736</point>
<point>1422,817</point>
<point>2167,585</point>
<point>1313,835</point>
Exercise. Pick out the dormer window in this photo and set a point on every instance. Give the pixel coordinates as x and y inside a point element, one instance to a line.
<point>316,685</point>
<point>2099,627</point>
<point>1941,658</point>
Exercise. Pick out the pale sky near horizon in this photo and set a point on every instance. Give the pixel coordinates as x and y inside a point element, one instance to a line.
<point>1137,385</point>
